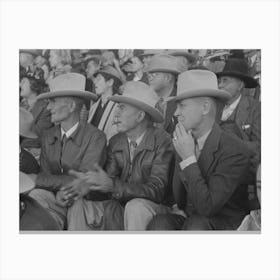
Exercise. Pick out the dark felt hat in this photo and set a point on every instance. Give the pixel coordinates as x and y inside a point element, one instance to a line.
<point>238,68</point>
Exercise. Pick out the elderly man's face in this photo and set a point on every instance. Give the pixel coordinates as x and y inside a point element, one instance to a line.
<point>231,85</point>
<point>126,117</point>
<point>60,108</point>
<point>157,80</point>
<point>189,113</point>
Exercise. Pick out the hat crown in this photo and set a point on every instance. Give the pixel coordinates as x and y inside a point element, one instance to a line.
<point>164,63</point>
<point>141,92</point>
<point>69,81</point>
<point>236,65</point>
<point>194,80</point>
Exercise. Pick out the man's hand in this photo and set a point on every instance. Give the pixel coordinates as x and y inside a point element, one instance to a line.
<point>99,180</point>
<point>62,199</point>
<point>183,142</point>
<point>76,189</point>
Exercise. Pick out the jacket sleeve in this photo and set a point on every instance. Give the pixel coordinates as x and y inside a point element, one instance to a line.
<point>154,188</point>
<point>43,122</point>
<point>209,198</point>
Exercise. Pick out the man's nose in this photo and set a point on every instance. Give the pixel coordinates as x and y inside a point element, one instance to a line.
<point>176,113</point>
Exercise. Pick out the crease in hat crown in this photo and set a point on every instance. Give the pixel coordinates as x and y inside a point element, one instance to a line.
<point>69,84</point>
<point>198,83</point>
<point>142,96</point>
<point>163,63</point>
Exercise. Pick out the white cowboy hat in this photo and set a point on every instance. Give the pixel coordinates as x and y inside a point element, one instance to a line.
<point>68,85</point>
<point>25,183</point>
<point>25,123</point>
<point>142,96</point>
<point>199,83</point>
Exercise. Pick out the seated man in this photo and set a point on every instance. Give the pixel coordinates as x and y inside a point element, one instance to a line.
<point>137,168</point>
<point>210,180</point>
<point>68,145</point>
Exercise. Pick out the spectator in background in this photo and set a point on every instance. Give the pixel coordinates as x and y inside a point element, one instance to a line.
<point>184,57</point>
<point>92,65</point>
<point>101,115</point>
<point>67,145</point>
<point>26,61</point>
<point>42,67</point>
<point>30,89</point>
<point>147,55</point>
<point>162,74</point>
<point>60,61</point>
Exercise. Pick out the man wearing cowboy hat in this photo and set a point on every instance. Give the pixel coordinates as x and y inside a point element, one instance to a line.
<point>107,82</point>
<point>138,165</point>
<point>162,74</point>
<point>242,114</point>
<point>68,145</point>
<point>209,183</point>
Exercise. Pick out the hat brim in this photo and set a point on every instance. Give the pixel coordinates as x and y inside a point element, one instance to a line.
<point>25,183</point>
<point>163,70</point>
<point>190,57</point>
<point>28,134</point>
<point>248,81</point>
<point>153,112</point>
<point>222,95</point>
<point>69,93</point>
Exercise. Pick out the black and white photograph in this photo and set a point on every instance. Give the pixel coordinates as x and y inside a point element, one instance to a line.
<point>140,139</point>
<point>148,134</point>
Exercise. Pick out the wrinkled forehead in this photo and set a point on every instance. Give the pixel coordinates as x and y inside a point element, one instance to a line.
<point>128,107</point>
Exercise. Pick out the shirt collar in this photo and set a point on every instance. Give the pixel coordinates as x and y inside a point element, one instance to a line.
<point>69,131</point>
<point>138,140</point>
<point>233,105</point>
<point>201,140</point>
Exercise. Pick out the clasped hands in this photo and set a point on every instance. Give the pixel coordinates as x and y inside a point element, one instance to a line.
<point>96,180</point>
<point>183,142</point>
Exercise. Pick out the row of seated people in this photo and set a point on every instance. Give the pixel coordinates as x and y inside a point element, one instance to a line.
<point>182,156</point>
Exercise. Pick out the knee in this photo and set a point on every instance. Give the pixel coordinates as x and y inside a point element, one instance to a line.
<point>160,222</point>
<point>42,196</point>
<point>136,205</point>
<point>197,222</point>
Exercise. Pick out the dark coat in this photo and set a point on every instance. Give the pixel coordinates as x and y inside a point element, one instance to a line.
<point>216,186</point>
<point>147,177</point>
<point>27,163</point>
<point>85,147</point>
<point>170,121</point>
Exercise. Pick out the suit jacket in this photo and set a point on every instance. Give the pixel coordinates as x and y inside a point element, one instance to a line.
<point>247,117</point>
<point>85,147</point>
<point>27,163</point>
<point>106,122</point>
<point>170,121</point>
<point>147,176</point>
<point>216,186</point>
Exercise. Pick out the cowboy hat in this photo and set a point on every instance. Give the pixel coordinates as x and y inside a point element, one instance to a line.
<point>198,83</point>
<point>111,71</point>
<point>142,96</point>
<point>238,68</point>
<point>25,183</point>
<point>25,123</point>
<point>181,52</point>
<point>31,51</point>
<point>163,63</point>
<point>68,85</point>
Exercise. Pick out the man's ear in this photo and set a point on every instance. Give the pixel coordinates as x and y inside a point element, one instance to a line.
<point>72,105</point>
<point>206,106</point>
<point>141,116</point>
<point>110,82</point>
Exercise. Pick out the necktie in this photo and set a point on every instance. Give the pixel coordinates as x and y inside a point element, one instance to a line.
<point>63,142</point>
<point>196,149</point>
<point>132,147</point>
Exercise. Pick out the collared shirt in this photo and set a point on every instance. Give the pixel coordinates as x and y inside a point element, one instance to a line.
<point>70,131</point>
<point>228,110</point>
<point>138,141</point>
<point>199,146</point>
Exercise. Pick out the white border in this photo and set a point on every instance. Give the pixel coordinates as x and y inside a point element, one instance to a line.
<point>158,24</point>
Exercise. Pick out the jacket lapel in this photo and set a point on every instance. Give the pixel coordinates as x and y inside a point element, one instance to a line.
<point>211,145</point>
<point>106,115</point>
<point>242,111</point>
<point>92,110</point>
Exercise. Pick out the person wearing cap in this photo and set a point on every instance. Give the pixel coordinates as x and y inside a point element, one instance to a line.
<point>138,164</point>
<point>107,82</point>
<point>66,146</point>
<point>210,180</point>
<point>241,114</point>
<point>184,57</point>
<point>162,74</point>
